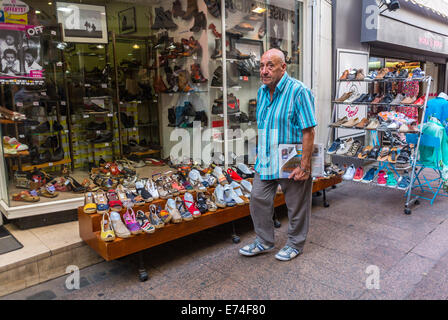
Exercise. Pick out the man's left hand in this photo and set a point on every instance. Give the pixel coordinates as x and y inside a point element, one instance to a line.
<point>299,174</point>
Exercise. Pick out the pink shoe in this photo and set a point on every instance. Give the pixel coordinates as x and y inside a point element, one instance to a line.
<point>131,222</point>
<point>382,181</point>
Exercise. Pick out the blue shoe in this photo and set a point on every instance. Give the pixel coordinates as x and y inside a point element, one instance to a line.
<point>255,248</point>
<point>369,176</point>
<point>404,183</point>
<point>334,147</point>
<point>287,253</point>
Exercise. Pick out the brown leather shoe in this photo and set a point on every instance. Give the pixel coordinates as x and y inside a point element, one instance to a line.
<point>382,73</point>
<point>360,75</point>
<point>344,97</point>
<point>345,75</point>
<point>362,124</point>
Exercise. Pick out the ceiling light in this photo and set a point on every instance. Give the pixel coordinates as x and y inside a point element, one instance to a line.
<point>259,10</point>
<point>136,46</point>
<point>50,3</point>
<point>100,46</point>
<point>37,12</point>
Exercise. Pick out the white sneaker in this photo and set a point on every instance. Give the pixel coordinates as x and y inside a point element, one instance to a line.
<point>219,196</point>
<point>232,194</point>
<point>345,146</point>
<point>244,169</point>
<point>350,173</point>
<point>170,206</point>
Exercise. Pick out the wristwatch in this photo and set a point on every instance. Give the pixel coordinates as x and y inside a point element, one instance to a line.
<point>305,170</point>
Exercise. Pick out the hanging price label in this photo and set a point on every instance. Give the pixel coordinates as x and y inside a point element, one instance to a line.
<point>53,33</point>
<point>19,104</point>
<point>110,115</point>
<point>104,85</point>
<point>43,93</point>
<point>50,164</point>
<point>86,116</point>
<point>63,103</point>
<point>35,103</point>
<point>59,64</point>
<point>87,85</point>
<point>21,136</point>
<point>106,144</point>
<point>134,129</point>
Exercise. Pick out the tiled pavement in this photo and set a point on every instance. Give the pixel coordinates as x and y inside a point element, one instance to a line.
<point>364,226</point>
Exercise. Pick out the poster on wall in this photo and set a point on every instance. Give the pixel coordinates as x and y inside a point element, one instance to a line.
<point>82,23</point>
<point>20,53</point>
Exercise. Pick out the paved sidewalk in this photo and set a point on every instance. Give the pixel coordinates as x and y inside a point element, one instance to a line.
<point>364,226</point>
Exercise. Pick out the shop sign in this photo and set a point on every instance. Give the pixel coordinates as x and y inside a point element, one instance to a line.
<point>15,7</point>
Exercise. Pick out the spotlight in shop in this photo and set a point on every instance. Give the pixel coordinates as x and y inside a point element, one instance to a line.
<point>100,46</point>
<point>391,5</point>
<point>136,46</point>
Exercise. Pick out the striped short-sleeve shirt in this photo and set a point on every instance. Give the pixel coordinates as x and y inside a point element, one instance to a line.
<point>281,121</point>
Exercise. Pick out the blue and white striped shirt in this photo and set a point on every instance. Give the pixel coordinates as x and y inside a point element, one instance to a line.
<point>281,121</point>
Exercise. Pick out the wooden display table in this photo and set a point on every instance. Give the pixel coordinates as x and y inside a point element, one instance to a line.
<point>90,227</point>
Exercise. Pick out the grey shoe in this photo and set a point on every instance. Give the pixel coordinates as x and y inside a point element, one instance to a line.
<point>255,248</point>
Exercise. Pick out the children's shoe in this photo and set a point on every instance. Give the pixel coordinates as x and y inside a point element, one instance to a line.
<point>154,218</point>
<point>369,176</point>
<point>404,183</point>
<point>131,222</point>
<point>184,213</point>
<point>391,181</point>
<point>287,253</point>
<point>171,207</point>
<point>359,174</point>
<point>119,228</point>
<point>107,233</point>
<point>191,206</point>
<point>255,248</point>
<point>144,222</point>
<point>382,181</point>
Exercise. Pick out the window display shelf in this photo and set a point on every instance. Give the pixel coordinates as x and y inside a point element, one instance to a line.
<point>18,154</point>
<point>379,104</point>
<point>379,130</point>
<point>144,153</point>
<point>386,80</point>
<point>31,167</point>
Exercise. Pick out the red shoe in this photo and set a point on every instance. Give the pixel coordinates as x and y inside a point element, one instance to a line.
<point>359,174</point>
<point>420,101</point>
<point>235,176</point>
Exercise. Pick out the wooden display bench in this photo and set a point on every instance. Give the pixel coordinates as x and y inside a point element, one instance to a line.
<point>90,227</point>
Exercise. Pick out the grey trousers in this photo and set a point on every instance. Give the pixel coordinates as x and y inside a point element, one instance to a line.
<point>298,198</point>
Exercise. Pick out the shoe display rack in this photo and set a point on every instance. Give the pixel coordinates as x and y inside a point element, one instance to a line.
<point>384,154</point>
<point>90,226</point>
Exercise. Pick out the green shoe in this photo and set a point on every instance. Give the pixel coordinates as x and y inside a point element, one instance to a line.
<point>391,181</point>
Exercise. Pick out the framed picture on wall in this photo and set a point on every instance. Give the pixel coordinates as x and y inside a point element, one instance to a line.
<point>248,46</point>
<point>126,19</point>
<point>82,23</point>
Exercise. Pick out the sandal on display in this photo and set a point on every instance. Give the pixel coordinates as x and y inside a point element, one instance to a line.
<point>27,196</point>
<point>211,205</point>
<point>218,197</point>
<point>121,192</point>
<point>120,229</point>
<point>384,154</point>
<point>190,205</point>
<point>238,190</point>
<point>201,203</point>
<point>393,155</point>
<point>365,152</point>
<point>131,222</point>
<point>144,222</point>
<point>107,233</point>
<point>154,218</point>
<point>48,191</point>
<point>171,207</point>
<point>89,203</point>
<point>163,214</point>
<point>114,203</point>
<point>75,185</point>
<point>101,202</point>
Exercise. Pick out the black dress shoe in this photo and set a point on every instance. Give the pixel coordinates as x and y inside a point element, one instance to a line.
<point>58,155</point>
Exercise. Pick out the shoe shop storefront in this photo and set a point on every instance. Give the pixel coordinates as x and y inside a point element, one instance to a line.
<point>102,95</point>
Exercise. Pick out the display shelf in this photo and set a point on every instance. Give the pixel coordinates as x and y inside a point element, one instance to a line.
<point>144,153</point>
<point>377,129</point>
<point>386,80</point>
<point>379,104</point>
<point>18,154</point>
<point>408,165</point>
<point>6,121</point>
<point>31,167</point>
<point>234,87</point>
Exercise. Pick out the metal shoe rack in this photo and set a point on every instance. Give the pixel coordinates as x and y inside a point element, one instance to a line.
<point>384,165</point>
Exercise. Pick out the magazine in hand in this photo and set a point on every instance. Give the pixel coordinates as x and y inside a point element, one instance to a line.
<point>291,155</point>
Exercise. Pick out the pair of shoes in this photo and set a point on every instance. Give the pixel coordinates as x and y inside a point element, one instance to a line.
<point>287,253</point>
<point>163,20</point>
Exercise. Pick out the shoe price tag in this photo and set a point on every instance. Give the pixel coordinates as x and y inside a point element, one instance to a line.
<point>134,129</point>
<point>98,132</point>
<point>35,103</point>
<point>53,33</point>
<point>86,84</point>
<point>43,93</point>
<point>63,103</point>
<point>154,100</point>
<point>245,78</point>
<point>50,164</point>
<point>188,93</point>
<point>104,85</point>
<point>66,131</point>
<point>86,116</point>
<point>139,101</point>
<point>21,136</point>
<point>106,144</point>
<point>121,102</point>
<point>67,182</point>
<point>110,115</point>
<point>19,104</point>
<point>195,57</point>
<point>59,64</point>
<point>33,128</point>
<point>170,94</point>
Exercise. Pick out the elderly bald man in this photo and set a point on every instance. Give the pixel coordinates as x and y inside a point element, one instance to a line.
<point>285,115</point>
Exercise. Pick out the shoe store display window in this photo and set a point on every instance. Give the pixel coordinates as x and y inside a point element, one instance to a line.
<point>96,94</point>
